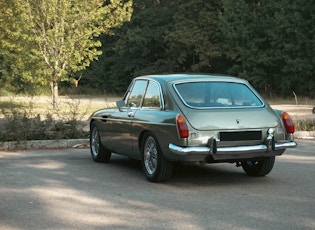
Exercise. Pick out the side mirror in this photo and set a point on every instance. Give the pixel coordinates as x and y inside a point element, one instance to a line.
<point>120,104</point>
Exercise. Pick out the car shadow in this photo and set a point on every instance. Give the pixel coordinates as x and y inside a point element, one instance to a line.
<point>209,174</point>
<point>185,173</point>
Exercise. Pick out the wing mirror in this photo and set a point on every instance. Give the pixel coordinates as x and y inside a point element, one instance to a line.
<point>120,104</point>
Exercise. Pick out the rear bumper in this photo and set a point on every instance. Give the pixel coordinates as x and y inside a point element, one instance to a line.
<point>196,153</point>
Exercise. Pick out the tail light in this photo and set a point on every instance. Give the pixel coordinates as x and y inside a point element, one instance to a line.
<point>288,122</point>
<point>181,126</point>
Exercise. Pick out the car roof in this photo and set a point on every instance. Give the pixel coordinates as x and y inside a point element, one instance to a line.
<point>164,78</point>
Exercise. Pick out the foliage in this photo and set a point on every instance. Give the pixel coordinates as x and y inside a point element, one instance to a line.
<point>305,125</point>
<point>22,122</point>
<point>46,40</point>
<point>193,41</point>
<point>137,48</point>
<point>270,43</point>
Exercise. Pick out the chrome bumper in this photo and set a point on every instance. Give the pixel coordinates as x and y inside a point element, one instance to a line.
<point>235,152</point>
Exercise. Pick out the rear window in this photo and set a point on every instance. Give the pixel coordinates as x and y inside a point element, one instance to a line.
<point>217,94</point>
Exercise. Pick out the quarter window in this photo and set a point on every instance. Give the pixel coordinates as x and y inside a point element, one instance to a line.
<point>152,96</point>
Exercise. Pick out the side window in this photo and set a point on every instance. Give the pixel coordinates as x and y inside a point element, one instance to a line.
<point>136,93</point>
<point>152,96</point>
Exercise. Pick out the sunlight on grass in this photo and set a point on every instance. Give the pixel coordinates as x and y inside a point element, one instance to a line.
<point>33,118</point>
<point>83,107</point>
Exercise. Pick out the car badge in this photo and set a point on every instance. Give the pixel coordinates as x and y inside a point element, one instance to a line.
<point>238,120</point>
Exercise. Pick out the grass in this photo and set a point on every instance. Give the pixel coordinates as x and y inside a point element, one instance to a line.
<point>32,118</point>
<point>68,106</point>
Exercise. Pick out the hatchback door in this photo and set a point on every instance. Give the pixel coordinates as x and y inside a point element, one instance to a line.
<point>224,105</point>
<point>225,110</point>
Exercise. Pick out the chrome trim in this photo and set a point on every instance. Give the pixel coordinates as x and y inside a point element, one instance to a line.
<point>285,145</point>
<point>188,150</point>
<point>270,147</point>
<point>243,149</point>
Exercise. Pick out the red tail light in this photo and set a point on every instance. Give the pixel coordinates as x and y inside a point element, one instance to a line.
<point>181,126</point>
<point>288,122</point>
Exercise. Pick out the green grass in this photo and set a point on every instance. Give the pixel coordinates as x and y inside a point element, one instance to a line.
<point>32,118</point>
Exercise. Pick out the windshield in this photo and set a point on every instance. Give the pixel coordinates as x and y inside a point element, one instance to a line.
<point>217,94</point>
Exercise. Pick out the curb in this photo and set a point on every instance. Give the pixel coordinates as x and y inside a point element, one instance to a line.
<point>44,144</point>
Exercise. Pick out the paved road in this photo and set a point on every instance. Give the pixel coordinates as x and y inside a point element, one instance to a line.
<point>65,189</point>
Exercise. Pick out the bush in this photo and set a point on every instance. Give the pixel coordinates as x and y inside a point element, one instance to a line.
<point>305,125</point>
<point>20,122</point>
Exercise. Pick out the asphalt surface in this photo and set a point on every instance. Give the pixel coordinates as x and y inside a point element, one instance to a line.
<point>65,189</point>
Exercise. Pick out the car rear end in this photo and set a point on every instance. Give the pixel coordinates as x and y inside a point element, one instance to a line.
<point>225,119</point>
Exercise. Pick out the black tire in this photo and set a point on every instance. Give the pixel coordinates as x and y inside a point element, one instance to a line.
<point>258,168</point>
<point>155,166</point>
<point>98,151</point>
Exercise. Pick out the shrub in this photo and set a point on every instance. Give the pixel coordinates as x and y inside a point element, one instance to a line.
<point>21,121</point>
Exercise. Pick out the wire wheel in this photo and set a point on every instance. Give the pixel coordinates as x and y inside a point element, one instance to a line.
<point>150,155</point>
<point>98,151</point>
<point>155,166</point>
<point>95,142</point>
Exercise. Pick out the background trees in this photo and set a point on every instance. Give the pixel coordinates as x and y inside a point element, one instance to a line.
<point>57,36</point>
<point>270,43</point>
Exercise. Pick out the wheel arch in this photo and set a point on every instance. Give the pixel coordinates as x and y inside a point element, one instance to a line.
<point>91,122</point>
<point>158,135</point>
<point>140,138</point>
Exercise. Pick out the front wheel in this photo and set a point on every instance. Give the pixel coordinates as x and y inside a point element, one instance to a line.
<point>155,166</point>
<point>258,168</point>
<point>98,151</point>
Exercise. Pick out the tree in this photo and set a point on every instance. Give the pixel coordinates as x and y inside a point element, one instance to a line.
<point>193,43</point>
<point>58,36</point>
<point>271,43</point>
<point>137,48</point>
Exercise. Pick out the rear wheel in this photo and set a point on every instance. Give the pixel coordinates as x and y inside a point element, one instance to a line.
<point>155,166</point>
<point>98,151</point>
<point>258,168</point>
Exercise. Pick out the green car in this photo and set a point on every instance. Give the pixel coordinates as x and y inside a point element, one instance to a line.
<point>164,119</point>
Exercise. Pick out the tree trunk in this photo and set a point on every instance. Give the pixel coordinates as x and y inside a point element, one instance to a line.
<point>54,91</point>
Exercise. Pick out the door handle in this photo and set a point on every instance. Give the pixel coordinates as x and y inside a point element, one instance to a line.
<point>104,118</point>
<point>131,114</point>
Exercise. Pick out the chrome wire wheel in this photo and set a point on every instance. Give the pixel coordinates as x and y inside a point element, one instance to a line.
<point>98,151</point>
<point>150,155</point>
<point>155,166</point>
<point>95,142</point>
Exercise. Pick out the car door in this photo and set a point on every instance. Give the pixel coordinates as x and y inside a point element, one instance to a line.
<point>122,118</point>
<point>149,116</point>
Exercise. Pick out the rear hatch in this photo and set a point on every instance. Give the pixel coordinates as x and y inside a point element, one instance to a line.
<point>225,108</point>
